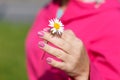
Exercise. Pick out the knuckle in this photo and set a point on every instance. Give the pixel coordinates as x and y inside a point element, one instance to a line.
<point>79,42</point>
<point>70,32</point>
<point>66,57</point>
<point>59,55</point>
<point>62,44</point>
<point>58,65</point>
<point>46,48</point>
<point>55,64</point>
<point>47,36</point>
<point>50,49</point>
<point>64,35</point>
<point>53,51</point>
<point>63,67</point>
<point>67,47</point>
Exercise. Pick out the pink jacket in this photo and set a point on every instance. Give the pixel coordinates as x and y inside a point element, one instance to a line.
<point>99,29</point>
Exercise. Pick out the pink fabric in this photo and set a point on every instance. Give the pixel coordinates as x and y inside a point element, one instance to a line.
<point>99,29</point>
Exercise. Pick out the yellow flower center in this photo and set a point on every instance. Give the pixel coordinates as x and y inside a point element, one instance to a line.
<point>56,26</point>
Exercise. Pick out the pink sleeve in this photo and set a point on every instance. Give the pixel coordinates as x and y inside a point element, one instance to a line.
<point>105,53</point>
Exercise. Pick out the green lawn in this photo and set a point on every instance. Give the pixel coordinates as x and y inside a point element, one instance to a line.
<point>12,54</point>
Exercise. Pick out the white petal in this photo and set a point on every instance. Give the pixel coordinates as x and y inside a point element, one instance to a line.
<point>51,21</point>
<point>56,20</point>
<point>51,25</point>
<point>61,24</point>
<point>53,29</point>
<point>61,28</point>
<point>59,32</point>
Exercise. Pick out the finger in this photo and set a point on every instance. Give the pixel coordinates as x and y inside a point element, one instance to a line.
<point>69,33</point>
<point>68,36</point>
<point>54,51</point>
<point>57,42</point>
<point>45,41</point>
<point>46,29</point>
<point>41,33</point>
<point>57,64</point>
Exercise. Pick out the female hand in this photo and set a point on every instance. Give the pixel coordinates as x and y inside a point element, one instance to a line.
<point>71,51</point>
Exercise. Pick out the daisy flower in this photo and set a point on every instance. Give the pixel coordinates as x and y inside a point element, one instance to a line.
<point>57,27</point>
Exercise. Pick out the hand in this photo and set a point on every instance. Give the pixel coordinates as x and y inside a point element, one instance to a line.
<point>71,51</point>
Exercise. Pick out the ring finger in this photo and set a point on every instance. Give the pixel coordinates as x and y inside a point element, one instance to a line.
<point>54,51</point>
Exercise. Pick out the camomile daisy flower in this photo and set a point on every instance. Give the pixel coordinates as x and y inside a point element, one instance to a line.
<point>57,27</point>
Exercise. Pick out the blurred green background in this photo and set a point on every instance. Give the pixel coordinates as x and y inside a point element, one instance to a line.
<point>12,54</point>
<point>16,17</point>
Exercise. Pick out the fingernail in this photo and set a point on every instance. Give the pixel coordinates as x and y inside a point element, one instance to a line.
<point>46,29</point>
<point>41,44</point>
<point>49,60</point>
<point>41,33</point>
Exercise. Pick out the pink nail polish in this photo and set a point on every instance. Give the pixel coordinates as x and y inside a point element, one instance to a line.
<point>46,29</point>
<point>41,44</point>
<point>41,33</point>
<point>49,60</point>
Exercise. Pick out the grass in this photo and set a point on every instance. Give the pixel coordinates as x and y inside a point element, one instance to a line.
<point>12,54</point>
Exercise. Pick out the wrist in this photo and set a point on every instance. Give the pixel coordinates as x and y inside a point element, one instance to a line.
<point>82,77</point>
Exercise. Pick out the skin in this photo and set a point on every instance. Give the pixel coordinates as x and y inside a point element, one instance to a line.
<point>72,53</point>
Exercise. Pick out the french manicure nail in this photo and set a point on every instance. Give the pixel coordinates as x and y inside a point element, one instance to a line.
<point>41,33</point>
<point>41,44</point>
<point>49,60</point>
